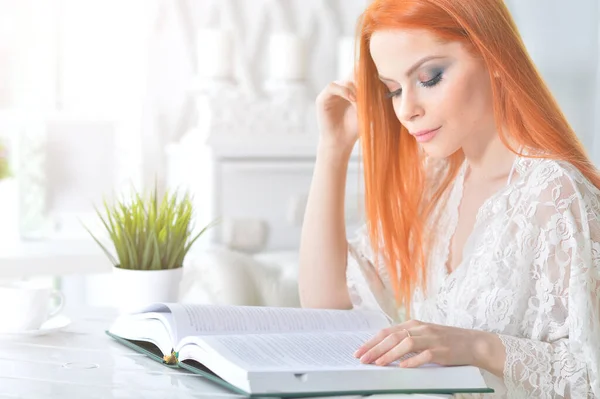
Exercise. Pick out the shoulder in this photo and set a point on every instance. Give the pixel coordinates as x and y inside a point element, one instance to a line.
<point>553,189</point>
<point>555,180</point>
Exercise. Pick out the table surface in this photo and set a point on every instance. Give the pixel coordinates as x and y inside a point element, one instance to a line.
<point>57,365</point>
<point>81,361</point>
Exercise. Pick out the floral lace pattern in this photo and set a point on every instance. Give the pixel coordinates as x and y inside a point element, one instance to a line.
<point>530,273</point>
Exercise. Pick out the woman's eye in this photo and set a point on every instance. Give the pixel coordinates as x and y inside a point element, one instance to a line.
<point>428,83</point>
<point>392,94</point>
<point>433,81</point>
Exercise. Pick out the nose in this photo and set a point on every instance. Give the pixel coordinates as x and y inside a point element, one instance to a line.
<point>407,107</point>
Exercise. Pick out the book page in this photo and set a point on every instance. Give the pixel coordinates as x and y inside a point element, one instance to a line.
<point>294,351</point>
<point>316,362</point>
<point>153,328</point>
<point>196,320</point>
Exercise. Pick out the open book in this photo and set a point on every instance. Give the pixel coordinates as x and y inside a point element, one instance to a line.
<point>279,352</point>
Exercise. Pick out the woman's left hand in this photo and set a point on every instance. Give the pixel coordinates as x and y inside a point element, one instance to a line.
<point>430,343</point>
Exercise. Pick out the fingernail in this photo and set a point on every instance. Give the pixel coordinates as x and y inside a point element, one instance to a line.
<point>356,354</point>
<point>364,359</point>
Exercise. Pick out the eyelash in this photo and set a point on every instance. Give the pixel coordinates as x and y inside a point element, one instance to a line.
<point>430,83</point>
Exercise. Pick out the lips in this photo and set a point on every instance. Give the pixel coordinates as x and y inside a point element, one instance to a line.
<point>425,136</point>
<point>424,132</point>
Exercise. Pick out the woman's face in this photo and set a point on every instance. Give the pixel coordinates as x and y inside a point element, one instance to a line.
<point>440,92</point>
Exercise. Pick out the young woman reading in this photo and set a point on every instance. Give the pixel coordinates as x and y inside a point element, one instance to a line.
<point>482,207</point>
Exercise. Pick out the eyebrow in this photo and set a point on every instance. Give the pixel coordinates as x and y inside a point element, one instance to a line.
<point>414,67</point>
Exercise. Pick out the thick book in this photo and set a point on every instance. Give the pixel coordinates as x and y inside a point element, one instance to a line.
<point>281,352</point>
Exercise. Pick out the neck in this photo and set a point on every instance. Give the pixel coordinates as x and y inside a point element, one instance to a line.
<point>488,160</point>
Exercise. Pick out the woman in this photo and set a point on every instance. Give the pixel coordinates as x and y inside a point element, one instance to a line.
<point>482,206</point>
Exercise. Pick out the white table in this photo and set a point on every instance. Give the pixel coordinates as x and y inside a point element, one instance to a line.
<point>80,361</point>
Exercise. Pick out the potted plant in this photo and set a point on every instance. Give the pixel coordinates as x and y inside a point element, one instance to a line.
<point>151,239</point>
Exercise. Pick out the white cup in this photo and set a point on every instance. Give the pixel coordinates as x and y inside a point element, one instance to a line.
<point>26,306</point>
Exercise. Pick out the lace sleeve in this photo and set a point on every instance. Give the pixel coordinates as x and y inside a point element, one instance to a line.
<point>368,284</point>
<point>565,275</point>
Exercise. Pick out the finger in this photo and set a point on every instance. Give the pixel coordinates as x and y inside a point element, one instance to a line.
<point>344,89</point>
<point>331,92</point>
<point>408,325</point>
<point>381,335</point>
<point>419,359</point>
<point>353,105</point>
<point>392,340</point>
<point>406,349</point>
<point>352,87</point>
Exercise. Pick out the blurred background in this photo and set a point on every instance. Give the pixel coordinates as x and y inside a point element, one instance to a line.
<point>213,96</point>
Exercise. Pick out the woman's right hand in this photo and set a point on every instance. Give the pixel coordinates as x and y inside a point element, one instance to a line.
<point>336,115</point>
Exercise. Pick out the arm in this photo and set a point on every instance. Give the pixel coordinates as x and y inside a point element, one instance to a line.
<point>559,357</point>
<point>532,368</point>
<point>545,370</point>
<point>551,348</point>
<point>333,272</point>
<point>323,245</point>
<point>567,364</point>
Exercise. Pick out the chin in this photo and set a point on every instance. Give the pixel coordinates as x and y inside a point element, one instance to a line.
<point>438,151</point>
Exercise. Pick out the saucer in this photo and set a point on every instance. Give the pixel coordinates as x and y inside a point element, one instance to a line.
<point>54,324</point>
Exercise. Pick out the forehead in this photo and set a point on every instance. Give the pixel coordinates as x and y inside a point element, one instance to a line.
<point>402,47</point>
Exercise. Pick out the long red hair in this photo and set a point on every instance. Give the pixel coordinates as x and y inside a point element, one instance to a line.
<point>395,181</point>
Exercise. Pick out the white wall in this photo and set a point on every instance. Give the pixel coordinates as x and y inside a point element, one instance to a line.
<point>563,39</point>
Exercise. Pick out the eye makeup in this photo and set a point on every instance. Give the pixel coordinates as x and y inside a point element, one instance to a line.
<point>428,79</point>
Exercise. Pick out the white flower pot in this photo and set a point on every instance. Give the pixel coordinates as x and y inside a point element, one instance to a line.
<point>135,289</point>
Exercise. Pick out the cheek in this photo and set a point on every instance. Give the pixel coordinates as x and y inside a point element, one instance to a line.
<point>456,99</point>
<point>466,102</point>
<point>478,97</point>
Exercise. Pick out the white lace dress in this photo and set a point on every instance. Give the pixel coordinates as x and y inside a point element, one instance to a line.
<point>530,272</point>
